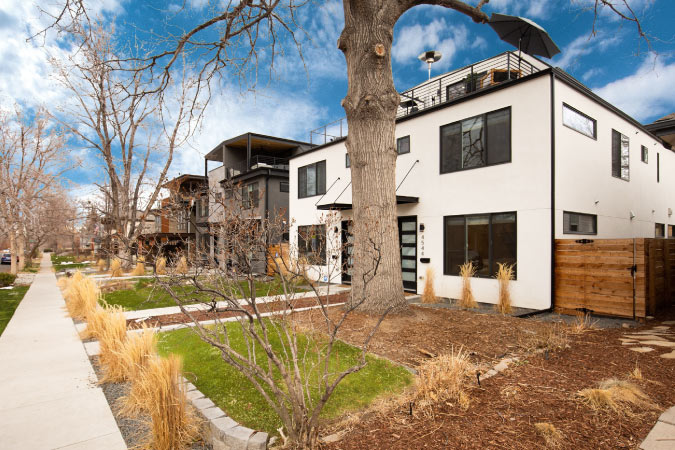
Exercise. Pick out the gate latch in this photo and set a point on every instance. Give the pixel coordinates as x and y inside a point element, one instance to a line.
<point>632,269</point>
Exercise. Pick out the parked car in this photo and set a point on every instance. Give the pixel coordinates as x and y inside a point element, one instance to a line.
<point>6,258</point>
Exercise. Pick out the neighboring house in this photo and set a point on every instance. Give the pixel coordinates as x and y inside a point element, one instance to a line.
<point>496,161</point>
<point>171,229</point>
<point>256,166</point>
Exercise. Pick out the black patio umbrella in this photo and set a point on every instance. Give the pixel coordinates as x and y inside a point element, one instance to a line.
<point>524,34</point>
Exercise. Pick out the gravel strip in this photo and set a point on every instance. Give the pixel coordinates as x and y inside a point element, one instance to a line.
<point>133,430</point>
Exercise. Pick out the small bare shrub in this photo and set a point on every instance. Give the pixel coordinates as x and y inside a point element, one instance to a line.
<point>553,338</point>
<point>100,265</point>
<point>429,295</point>
<point>551,435</point>
<point>174,424</point>
<point>583,323</point>
<point>444,378</point>
<point>504,276</point>
<point>182,266</point>
<point>116,268</point>
<point>637,373</point>
<point>618,396</point>
<point>467,271</point>
<point>160,266</point>
<point>111,342</point>
<point>139,270</point>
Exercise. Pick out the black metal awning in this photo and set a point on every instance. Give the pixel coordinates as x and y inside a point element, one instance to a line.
<point>400,200</point>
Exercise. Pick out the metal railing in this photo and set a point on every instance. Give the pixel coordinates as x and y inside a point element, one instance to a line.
<point>446,88</point>
<point>257,162</point>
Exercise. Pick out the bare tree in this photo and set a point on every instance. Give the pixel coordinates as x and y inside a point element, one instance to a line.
<point>32,161</point>
<point>130,131</point>
<point>52,215</point>
<point>294,377</point>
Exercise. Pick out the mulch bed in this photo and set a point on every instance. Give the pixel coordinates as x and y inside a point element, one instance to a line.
<point>505,408</point>
<point>409,338</point>
<point>179,318</point>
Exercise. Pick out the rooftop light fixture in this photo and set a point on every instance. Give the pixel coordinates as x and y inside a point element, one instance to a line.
<point>430,57</point>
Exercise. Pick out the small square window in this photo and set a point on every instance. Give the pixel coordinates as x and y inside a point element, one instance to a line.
<point>403,145</point>
<point>645,154</point>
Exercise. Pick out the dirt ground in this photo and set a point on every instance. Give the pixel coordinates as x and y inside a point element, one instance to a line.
<point>541,387</point>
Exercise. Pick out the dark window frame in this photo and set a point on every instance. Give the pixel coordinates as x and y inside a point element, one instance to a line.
<point>644,154</point>
<point>398,145</point>
<point>281,186</point>
<point>595,122</point>
<point>658,167</point>
<point>319,189</point>
<point>487,164</point>
<point>595,223</point>
<point>662,228</point>
<point>619,174</point>
<point>492,263</point>
<point>312,258</point>
<point>246,201</point>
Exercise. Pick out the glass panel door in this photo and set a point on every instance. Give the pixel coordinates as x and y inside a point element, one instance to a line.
<point>407,236</point>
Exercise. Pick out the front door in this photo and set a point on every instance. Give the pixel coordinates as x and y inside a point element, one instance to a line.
<point>347,251</point>
<point>407,236</point>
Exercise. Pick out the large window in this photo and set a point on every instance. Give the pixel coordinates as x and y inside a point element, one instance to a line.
<point>403,145</point>
<point>477,141</point>
<point>659,230</point>
<point>312,244</point>
<point>620,156</point>
<point>579,121</point>
<point>250,197</point>
<point>578,223</point>
<point>483,239</point>
<point>312,179</point>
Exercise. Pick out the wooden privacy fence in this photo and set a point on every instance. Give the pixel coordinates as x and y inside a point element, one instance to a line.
<point>614,277</point>
<point>280,253</point>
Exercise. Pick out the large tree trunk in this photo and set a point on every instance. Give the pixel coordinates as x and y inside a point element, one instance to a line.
<point>21,252</point>
<point>12,251</point>
<point>371,104</point>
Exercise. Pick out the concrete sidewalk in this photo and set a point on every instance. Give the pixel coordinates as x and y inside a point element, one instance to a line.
<point>49,398</point>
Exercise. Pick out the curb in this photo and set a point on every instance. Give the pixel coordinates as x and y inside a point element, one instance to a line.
<point>662,436</point>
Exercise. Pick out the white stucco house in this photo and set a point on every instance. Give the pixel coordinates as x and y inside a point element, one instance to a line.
<point>496,161</point>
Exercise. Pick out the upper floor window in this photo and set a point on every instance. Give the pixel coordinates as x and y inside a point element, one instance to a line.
<point>249,196</point>
<point>579,121</point>
<point>312,179</point>
<point>644,154</point>
<point>659,230</point>
<point>312,244</point>
<point>578,223</point>
<point>620,156</point>
<point>283,186</point>
<point>347,161</point>
<point>477,141</point>
<point>403,145</point>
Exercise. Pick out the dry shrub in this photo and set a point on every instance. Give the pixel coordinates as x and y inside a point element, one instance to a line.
<point>100,265</point>
<point>111,342</point>
<point>96,322</point>
<point>81,296</point>
<point>552,436</point>
<point>616,395</point>
<point>637,374</point>
<point>429,295</point>
<point>135,354</point>
<point>162,394</point>
<point>160,266</point>
<point>504,276</point>
<point>444,378</point>
<point>553,338</point>
<point>466,271</point>
<point>116,268</point>
<point>63,283</point>
<point>139,269</point>
<point>182,266</point>
<point>583,323</point>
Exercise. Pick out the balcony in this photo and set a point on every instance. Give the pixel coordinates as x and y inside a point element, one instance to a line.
<point>257,162</point>
<point>445,88</point>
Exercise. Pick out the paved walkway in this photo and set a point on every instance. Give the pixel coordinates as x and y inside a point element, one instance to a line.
<point>48,393</point>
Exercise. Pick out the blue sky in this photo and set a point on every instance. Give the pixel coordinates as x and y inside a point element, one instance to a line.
<point>615,63</point>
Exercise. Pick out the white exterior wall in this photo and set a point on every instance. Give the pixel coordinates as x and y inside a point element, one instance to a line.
<point>584,181</point>
<point>521,185</point>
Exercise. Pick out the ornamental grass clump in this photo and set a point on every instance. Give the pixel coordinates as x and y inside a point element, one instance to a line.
<point>135,354</point>
<point>100,265</point>
<point>181,266</point>
<point>81,296</point>
<point>96,323</point>
<point>139,270</point>
<point>429,295</point>
<point>618,396</point>
<point>115,268</point>
<point>504,276</point>
<point>161,392</point>
<point>444,379</point>
<point>551,435</point>
<point>112,339</point>
<point>160,266</point>
<point>467,271</point>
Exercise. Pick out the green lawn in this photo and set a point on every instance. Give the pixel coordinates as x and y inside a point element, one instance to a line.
<point>65,262</point>
<point>234,394</point>
<point>145,296</point>
<point>9,300</point>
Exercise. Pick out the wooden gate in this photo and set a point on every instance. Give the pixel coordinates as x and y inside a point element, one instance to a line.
<point>614,277</point>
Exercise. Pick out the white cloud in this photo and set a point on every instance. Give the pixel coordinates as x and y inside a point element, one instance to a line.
<point>647,93</point>
<point>571,54</point>
<point>412,40</point>
<point>591,73</point>
<point>539,9</point>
